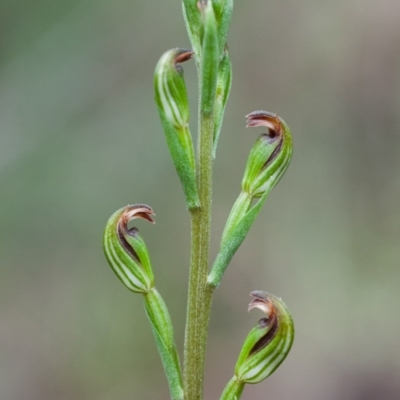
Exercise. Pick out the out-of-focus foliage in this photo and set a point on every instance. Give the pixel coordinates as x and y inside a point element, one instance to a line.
<point>80,138</point>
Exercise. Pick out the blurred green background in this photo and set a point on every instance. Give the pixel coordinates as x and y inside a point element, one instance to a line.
<point>80,137</point>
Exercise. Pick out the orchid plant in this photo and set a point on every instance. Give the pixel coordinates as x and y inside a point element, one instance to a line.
<point>270,340</point>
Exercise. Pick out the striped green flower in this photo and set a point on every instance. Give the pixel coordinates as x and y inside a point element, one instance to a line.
<point>173,106</point>
<point>268,343</point>
<point>266,164</point>
<point>126,251</point>
<point>265,347</point>
<point>270,156</point>
<point>170,88</point>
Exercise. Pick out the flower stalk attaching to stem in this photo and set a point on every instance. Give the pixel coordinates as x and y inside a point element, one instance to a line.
<point>267,162</point>
<point>127,254</point>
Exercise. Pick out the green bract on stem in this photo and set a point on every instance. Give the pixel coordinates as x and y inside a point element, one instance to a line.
<point>223,13</point>
<point>127,254</point>
<point>193,24</point>
<point>224,81</point>
<point>267,162</point>
<point>265,347</point>
<point>209,58</point>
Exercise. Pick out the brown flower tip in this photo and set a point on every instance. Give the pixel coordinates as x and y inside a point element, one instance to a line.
<point>137,211</point>
<point>132,212</point>
<point>263,301</point>
<point>183,55</point>
<point>265,118</point>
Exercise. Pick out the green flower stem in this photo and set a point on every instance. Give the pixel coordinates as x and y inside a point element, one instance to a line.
<point>233,239</point>
<point>266,165</point>
<point>161,326</point>
<point>233,390</point>
<point>241,206</point>
<point>200,295</point>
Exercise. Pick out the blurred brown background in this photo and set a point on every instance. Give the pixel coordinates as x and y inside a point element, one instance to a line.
<point>80,137</point>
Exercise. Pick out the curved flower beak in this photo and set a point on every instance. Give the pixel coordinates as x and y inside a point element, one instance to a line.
<point>125,249</point>
<point>269,342</point>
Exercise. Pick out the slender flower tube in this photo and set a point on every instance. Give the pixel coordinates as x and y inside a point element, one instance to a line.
<point>173,106</point>
<point>265,347</point>
<point>267,162</point>
<point>127,254</point>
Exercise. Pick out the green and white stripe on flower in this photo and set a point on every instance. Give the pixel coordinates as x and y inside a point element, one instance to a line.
<point>170,88</point>
<point>269,342</point>
<point>265,347</point>
<point>126,251</point>
<point>173,107</point>
<point>266,164</point>
<point>270,156</point>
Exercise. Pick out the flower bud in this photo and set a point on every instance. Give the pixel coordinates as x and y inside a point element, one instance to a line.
<point>224,81</point>
<point>270,156</point>
<point>210,57</point>
<point>193,22</point>
<point>172,102</point>
<point>223,14</point>
<point>268,343</point>
<point>126,251</point>
<point>170,88</point>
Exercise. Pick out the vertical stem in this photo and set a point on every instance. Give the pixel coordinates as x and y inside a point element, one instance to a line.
<point>200,295</point>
